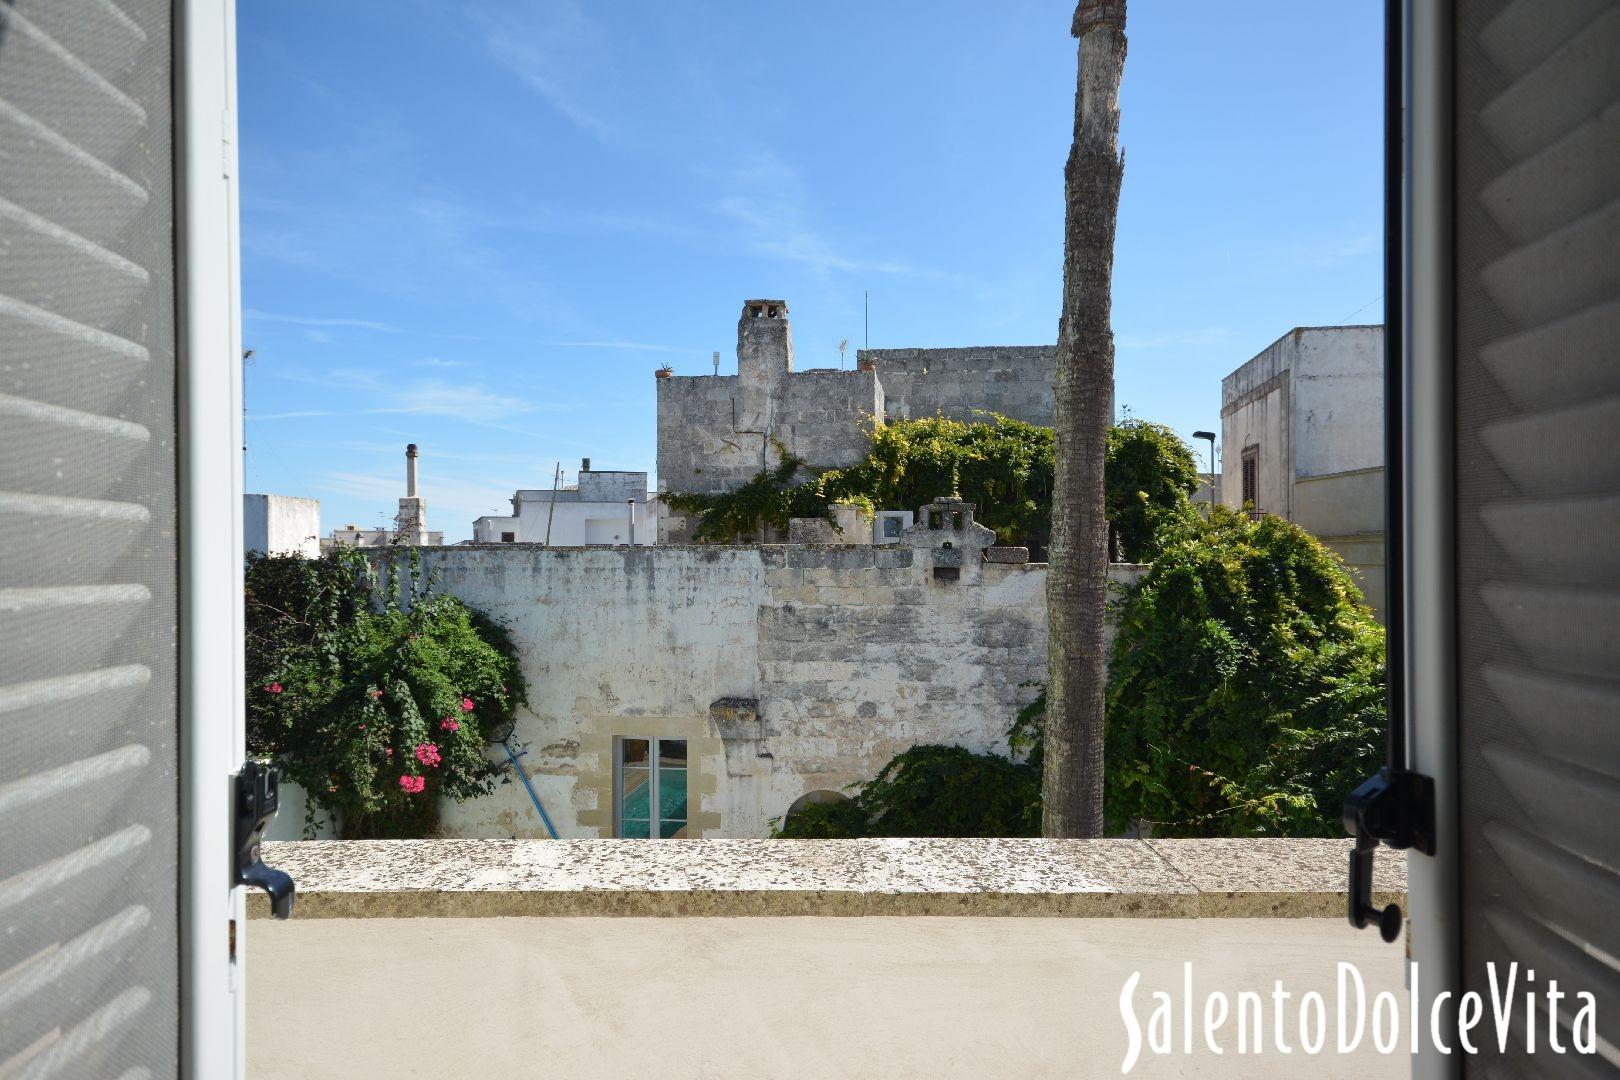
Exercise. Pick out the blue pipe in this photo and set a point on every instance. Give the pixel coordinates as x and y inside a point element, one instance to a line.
<point>534,798</point>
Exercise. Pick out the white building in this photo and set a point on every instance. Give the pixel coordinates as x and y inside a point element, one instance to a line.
<point>1302,428</point>
<point>604,507</point>
<point>410,523</point>
<point>281,525</point>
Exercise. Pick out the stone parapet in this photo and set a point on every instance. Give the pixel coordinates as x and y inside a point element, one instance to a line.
<point>1248,878</point>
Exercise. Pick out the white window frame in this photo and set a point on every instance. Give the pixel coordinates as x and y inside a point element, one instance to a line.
<point>209,421</point>
<point>654,803</point>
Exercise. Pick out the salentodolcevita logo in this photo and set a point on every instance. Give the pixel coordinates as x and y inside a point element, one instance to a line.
<point>1162,1021</point>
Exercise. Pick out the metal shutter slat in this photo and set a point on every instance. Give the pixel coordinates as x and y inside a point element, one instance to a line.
<point>1560,273</point>
<point>1575,719</point>
<point>1526,32</point>
<point>68,451</point>
<point>93,617</point>
<point>46,357</point>
<point>1584,530</point>
<point>65,1056</point>
<point>1561,183</point>
<point>47,174</point>
<point>1562,440</point>
<point>77,279</point>
<point>99,33</point>
<point>1567,629</point>
<point>41,991</point>
<point>1562,889</point>
<point>41,78</point>
<point>1577,804</point>
<point>1572,360</point>
<point>1578,80</point>
<point>1554,957</point>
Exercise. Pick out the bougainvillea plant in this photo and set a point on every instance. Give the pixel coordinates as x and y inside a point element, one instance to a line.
<point>373,691</point>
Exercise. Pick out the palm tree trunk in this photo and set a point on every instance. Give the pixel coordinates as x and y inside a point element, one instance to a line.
<point>1077,577</point>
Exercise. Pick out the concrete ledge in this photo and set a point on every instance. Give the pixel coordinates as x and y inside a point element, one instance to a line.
<point>727,878</point>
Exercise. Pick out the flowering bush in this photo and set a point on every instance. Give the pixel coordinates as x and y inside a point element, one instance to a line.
<point>345,667</point>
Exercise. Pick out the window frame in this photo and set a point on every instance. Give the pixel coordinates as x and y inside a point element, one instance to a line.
<point>654,818</point>
<point>1249,477</point>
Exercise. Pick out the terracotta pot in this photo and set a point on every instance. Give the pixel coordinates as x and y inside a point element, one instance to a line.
<point>662,373</point>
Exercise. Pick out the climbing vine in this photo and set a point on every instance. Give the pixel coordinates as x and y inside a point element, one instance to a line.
<point>371,692</point>
<point>1002,466</point>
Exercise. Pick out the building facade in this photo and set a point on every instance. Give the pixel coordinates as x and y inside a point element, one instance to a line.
<point>281,525</point>
<point>1302,430</point>
<point>716,432</point>
<point>605,506</point>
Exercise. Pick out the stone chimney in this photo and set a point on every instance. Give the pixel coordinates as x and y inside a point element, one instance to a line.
<point>764,359</point>
<point>412,520</point>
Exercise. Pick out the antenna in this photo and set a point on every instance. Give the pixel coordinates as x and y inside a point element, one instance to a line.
<point>866,298</point>
<point>717,361</point>
<point>247,358</point>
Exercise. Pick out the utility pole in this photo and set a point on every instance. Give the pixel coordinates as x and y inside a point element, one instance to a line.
<point>551,511</point>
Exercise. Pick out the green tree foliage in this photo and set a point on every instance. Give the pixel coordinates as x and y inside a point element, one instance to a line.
<point>1000,465</point>
<point>1149,477</point>
<point>374,706</point>
<point>1246,689</point>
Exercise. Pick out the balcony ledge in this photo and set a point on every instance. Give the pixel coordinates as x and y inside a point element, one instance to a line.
<point>1179,879</point>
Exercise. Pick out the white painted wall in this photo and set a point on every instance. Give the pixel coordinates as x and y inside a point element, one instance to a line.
<point>281,525</point>
<point>853,654</point>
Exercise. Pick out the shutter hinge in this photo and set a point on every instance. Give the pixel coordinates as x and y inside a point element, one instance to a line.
<point>1395,807</point>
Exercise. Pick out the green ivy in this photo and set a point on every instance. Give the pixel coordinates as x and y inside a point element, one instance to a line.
<point>1002,466</point>
<point>1246,687</point>
<point>1148,477</point>
<point>371,693</point>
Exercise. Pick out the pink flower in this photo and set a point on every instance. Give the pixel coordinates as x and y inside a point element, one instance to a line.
<point>389,750</point>
<point>412,784</point>
<point>466,704</point>
<point>427,754</point>
<point>448,724</point>
<point>273,688</point>
<point>375,694</point>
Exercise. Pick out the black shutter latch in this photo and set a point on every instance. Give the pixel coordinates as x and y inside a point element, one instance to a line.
<point>257,797</point>
<point>1395,807</point>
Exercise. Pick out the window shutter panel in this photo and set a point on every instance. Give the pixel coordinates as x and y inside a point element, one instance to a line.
<point>88,783</point>
<point>1538,497</point>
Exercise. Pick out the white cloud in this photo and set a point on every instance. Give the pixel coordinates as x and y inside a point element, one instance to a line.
<point>1173,339</point>
<point>301,320</point>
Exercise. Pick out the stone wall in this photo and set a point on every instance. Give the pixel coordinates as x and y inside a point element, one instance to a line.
<point>1013,380</point>
<point>787,668</point>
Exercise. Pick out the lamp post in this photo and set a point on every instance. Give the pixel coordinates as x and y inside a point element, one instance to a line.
<point>1210,435</point>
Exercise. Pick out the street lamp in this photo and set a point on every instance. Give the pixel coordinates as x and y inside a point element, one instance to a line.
<point>1210,435</point>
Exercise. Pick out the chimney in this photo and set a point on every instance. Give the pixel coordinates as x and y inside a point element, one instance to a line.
<point>410,470</point>
<point>584,464</point>
<point>764,359</point>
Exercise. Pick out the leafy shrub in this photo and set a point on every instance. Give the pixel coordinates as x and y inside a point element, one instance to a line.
<point>758,508</point>
<point>1246,687</point>
<point>375,707</point>
<point>930,791</point>
<point>1149,475</point>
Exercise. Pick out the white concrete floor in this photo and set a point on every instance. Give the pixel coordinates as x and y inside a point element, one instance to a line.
<point>829,998</point>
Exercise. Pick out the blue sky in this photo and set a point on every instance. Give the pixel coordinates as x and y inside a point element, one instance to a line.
<point>481,227</point>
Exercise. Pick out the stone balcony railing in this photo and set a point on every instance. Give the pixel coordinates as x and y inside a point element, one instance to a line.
<point>718,878</point>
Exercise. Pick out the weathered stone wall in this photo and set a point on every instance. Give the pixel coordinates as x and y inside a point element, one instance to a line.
<point>788,669</point>
<point>1013,380</point>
